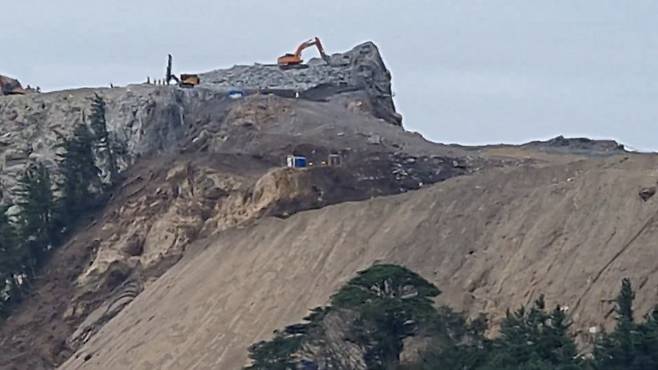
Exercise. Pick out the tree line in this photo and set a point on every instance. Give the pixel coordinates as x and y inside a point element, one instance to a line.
<point>49,203</point>
<point>380,316</point>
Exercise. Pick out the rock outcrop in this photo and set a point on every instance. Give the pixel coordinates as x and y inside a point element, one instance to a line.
<point>10,86</point>
<point>141,121</point>
<point>578,145</point>
<point>358,73</point>
<point>147,119</point>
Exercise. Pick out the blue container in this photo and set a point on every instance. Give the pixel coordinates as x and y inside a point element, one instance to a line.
<point>296,161</point>
<point>300,162</point>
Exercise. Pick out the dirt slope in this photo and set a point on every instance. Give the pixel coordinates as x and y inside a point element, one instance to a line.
<point>222,169</point>
<point>490,241</point>
<point>200,167</point>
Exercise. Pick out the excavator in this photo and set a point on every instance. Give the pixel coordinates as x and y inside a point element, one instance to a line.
<point>295,60</point>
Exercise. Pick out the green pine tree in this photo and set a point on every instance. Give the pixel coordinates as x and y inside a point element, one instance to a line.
<point>80,176</point>
<point>618,350</point>
<point>624,302</point>
<point>391,301</point>
<point>557,341</point>
<point>388,302</point>
<point>35,219</point>
<point>456,343</point>
<point>647,348</point>
<point>103,143</point>
<point>625,324</point>
<point>276,354</point>
<point>534,339</point>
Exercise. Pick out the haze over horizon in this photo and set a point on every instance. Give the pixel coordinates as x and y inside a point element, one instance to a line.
<point>469,73</point>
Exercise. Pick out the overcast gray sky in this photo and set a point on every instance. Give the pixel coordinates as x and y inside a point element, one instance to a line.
<point>471,72</point>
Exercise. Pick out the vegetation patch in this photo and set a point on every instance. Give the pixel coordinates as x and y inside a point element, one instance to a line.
<point>387,304</point>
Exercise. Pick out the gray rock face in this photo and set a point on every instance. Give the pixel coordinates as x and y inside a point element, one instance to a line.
<point>9,86</point>
<point>360,70</point>
<point>578,145</point>
<point>147,119</point>
<point>141,120</point>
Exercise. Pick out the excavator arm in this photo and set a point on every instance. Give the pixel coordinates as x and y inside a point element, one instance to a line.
<point>304,45</point>
<point>324,55</point>
<point>296,58</point>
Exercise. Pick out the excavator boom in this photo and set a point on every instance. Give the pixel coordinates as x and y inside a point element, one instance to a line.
<point>323,55</point>
<point>296,58</point>
<point>304,45</point>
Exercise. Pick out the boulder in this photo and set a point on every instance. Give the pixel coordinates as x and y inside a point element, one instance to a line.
<point>646,193</point>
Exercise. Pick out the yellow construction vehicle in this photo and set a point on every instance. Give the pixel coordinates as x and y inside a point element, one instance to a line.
<point>185,80</point>
<point>291,60</point>
<point>189,80</point>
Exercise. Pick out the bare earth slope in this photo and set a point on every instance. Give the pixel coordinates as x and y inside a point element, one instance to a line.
<point>202,177</point>
<point>195,162</point>
<point>490,241</point>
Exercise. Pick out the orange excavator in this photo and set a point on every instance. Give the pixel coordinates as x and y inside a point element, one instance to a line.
<point>295,60</point>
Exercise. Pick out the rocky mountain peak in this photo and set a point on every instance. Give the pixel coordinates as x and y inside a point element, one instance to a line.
<point>357,73</point>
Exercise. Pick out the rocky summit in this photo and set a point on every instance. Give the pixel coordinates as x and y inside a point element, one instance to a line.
<point>358,75</point>
<point>208,239</point>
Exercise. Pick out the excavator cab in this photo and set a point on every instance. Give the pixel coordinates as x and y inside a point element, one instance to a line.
<point>294,60</point>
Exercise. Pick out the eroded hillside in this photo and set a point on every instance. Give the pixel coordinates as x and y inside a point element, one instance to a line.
<point>208,243</point>
<point>489,241</point>
<point>196,162</point>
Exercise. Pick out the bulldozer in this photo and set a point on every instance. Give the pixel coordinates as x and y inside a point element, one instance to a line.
<point>294,60</point>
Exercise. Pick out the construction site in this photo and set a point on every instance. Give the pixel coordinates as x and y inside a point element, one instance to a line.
<point>249,195</point>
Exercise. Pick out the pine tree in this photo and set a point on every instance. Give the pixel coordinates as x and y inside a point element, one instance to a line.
<point>456,343</point>
<point>648,343</point>
<point>388,298</point>
<point>79,175</point>
<point>103,143</point>
<point>618,350</point>
<point>534,339</point>
<point>513,344</point>
<point>624,302</point>
<point>35,219</point>
<point>625,323</point>
<point>276,354</point>
<point>557,341</point>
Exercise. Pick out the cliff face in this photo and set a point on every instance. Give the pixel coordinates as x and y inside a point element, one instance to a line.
<point>142,120</point>
<point>147,119</point>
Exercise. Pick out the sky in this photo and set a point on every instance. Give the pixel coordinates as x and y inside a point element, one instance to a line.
<point>468,72</point>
